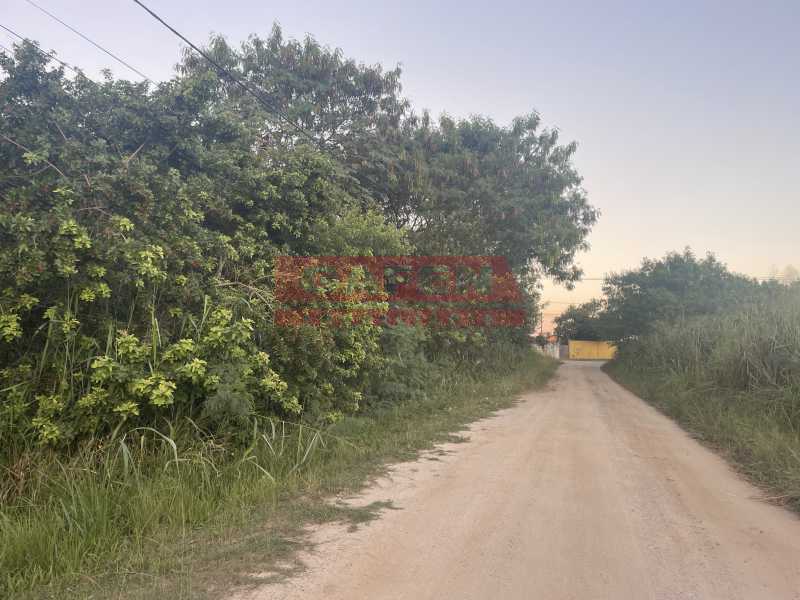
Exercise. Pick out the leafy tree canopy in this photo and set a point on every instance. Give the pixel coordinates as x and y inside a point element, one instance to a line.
<point>465,186</point>
<point>138,229</point>
<point>678,286</point>
<point>581,322</point>
<point>674,287</point>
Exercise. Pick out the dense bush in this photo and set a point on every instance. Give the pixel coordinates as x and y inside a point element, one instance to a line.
<point>137,286</point>
<point>139,226</point>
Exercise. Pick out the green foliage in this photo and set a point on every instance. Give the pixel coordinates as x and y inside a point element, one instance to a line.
<point>510,191</point>
<point>753,349</point>
<point>148,508</point>
<point>405,371</point>
<point>139,228</point>
<point>678,286</point>
<point>580,322</point>
<point>137,276</point>
<point>336,99</point>
<point>733,379</point>
<point>457,187</point>
<point>672,289</point>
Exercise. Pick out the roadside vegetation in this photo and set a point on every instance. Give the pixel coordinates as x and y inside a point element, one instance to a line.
<point>148,398</point>
<point>733,380</point>
<point>190,514</point>
<point>718,352</point>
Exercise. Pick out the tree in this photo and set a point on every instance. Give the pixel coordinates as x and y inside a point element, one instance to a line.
<point>457,186</point>
<point>675,287</point>
<point>511,191</point>
<point>581,322</point>
<point>139,226</point>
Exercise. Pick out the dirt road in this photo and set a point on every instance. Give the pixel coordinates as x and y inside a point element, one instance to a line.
<point>581,491</point>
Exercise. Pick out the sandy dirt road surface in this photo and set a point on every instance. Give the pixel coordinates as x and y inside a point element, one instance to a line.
<point>581,491</point>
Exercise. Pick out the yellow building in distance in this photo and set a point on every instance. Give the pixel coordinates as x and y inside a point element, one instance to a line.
<point>584,350</point>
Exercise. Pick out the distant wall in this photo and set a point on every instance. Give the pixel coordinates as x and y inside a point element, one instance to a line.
<point>551,350</point>
<point>582,350</point>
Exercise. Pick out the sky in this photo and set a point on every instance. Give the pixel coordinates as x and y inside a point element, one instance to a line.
<point>685,113</point>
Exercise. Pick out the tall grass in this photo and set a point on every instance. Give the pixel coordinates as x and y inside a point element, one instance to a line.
<point>122,499</point>
<point>151,507</point>
<point>755,349</point>
<point>734,381</point>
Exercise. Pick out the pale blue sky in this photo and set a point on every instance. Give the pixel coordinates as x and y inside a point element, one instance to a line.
<point>686,113</point>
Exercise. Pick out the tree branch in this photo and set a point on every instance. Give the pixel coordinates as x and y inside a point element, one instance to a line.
<point>26,149</point>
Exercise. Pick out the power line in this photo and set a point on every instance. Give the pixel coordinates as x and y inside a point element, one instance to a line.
<point>50,55</point>
<point>92,42</point>
<point>220,69</point>
<point>759,277</point>
<point>271,108</point>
